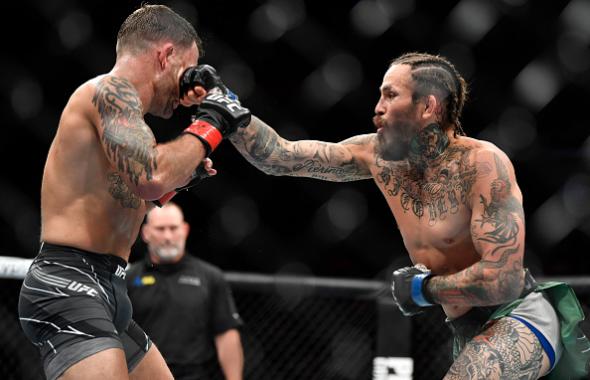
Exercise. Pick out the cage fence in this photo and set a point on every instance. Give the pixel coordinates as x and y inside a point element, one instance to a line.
<point>301,328</point>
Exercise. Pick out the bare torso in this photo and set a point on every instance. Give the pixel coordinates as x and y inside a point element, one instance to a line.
<point>84,202</point>
<point>457,204</point>
<point>432,209</point>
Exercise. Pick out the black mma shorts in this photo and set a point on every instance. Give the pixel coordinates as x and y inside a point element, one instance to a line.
<point>73,304</point>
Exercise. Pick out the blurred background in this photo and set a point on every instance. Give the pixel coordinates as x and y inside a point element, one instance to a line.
<point>312,71</point>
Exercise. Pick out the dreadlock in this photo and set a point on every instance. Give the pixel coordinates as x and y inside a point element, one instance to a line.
<point>435,74</point>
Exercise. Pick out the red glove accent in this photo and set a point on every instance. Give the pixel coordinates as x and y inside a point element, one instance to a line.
<point>207,133</point>
<point>165,198</point>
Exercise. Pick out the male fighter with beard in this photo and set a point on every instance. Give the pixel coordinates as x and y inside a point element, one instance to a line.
<point>459,210</point>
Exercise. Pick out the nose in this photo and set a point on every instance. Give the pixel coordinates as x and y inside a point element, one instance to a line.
<point>167,235</point>
<point>379,107</point>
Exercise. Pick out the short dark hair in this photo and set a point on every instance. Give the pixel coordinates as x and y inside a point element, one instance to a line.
<point>434,74</point>
<point>152,23</point>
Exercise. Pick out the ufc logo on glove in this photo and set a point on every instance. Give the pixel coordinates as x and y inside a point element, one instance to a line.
<point>232,105</point>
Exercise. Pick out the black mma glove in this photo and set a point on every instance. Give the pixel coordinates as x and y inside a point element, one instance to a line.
<point>199,174</point>
<point>203,75</point>
<point>408,287</point>
<point>218,116</point>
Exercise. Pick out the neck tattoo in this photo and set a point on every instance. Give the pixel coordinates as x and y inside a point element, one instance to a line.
<point>427,145</point>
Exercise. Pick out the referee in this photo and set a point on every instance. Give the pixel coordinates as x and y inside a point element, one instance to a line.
<point>184,304</point>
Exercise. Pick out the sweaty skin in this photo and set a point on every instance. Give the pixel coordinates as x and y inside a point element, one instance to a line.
<point>104,163</point>
<point>455,199</point>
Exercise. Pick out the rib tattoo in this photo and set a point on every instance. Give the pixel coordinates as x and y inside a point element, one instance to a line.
<point>120,191</point>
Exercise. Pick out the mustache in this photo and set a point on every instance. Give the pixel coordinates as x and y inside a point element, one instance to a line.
<point>378,121</point>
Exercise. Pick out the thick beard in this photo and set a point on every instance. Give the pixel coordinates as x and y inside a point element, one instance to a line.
<point>394,140</point>
<point>395,150</point>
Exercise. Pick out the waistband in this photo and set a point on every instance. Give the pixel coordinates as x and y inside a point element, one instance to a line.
<point>112,263</point>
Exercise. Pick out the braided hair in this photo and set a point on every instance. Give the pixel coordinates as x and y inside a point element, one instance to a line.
<point>433,74</point>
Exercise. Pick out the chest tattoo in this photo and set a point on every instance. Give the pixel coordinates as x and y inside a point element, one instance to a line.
<point>436,190</point>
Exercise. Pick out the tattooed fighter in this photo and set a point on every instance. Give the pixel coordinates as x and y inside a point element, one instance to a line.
<point>459,210</point>
<point>103,168</point>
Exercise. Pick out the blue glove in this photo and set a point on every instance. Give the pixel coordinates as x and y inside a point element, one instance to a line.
<point>408,287</point>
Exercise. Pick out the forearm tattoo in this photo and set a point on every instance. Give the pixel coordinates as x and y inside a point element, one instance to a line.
<point>267,151</point>
<point>506,350</point>
<point>128,141</point>
<point>497,235</point>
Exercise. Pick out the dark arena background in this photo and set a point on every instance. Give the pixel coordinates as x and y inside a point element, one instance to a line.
<point>302,255</point>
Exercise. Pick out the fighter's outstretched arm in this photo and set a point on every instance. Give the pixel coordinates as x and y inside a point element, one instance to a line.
<point>347,160</point>
<point>498,233</point>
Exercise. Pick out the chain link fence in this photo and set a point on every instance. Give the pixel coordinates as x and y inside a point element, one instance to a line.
<point>312,338</point>
<point>298,329</point>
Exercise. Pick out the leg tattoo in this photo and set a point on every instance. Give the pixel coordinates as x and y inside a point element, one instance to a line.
<point>506,350</point>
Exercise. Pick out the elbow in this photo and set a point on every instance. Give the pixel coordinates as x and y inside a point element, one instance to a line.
<point>512,292</point>
<point>270,171</point>
<point>150,190</point>
<point>509,286</point>
<point>274,170</point>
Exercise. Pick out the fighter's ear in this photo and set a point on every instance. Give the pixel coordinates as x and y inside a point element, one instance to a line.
<point>164,52</point>
<point>432,107</point>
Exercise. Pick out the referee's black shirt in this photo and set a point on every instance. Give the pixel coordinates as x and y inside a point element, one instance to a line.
<point>182,307</point>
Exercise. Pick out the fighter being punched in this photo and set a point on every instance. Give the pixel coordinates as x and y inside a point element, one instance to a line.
<point>459,210</point>
<point>103,171</point>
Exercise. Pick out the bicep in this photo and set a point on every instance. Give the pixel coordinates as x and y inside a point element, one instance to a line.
<point>128,142</point>
<point>497,223</point>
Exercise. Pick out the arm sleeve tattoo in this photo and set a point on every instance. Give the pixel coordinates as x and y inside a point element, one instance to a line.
<point>272,154</point>
<point>497,231</point>
<point>128,142</point>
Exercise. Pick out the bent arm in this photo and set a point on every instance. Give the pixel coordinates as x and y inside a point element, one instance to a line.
<point>498,234</point>
<point>347,160</point>
<point>230,354</point>
<point>149,169</point>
